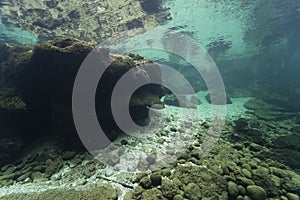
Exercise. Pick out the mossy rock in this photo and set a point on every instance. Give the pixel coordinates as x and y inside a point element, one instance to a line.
<point>146,182</point>
<point>12,59</point>
<point>10,100</point>
<point>168,189</point>
<point>156,178</point>
<point>263,178</point>
<point>218,99</point>
<point>292,196</point>
<point>293,183</point>
<point>185,100</point>
<point>289,157</point>
<point>256,192</point>
<point>105,193</point>
<point>233,189</point>
<point>192,191</point>
<point>287,142</point>
<point>152,194</point>
<point>211,185</point>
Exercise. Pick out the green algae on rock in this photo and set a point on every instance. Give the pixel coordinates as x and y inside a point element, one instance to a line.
<point>104,192</point>
<point>86,20</point>
<point>211,185</point>
<point>256,192</point>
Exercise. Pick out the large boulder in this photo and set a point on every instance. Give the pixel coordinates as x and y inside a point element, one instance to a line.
<point>43,78</point>
<point>12,122</point>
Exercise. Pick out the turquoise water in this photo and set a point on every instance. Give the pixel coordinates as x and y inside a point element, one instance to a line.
<point>253,43</point>
<point>16,35</point>
<point>240,57</point>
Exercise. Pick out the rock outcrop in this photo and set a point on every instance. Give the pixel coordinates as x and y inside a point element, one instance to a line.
<point>37,84</point>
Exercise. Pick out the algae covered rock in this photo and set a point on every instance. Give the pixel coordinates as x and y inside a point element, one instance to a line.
<point>293,183</point>
<point>11,101</point>
<point>146,182</point>
<point>191,182</point>
<point>187,101</point>
<point>168,189</point>
<point>156,178</point>
<point>233,189</point>
<point>192,191</point>
<point>256,192</point>
<point>218,99</point>
<point>153,193</point>
<point>292,196</point>
<point>210,184</point>
<point>37,84</point>
<point>104,192</point>
<point>263,178</point>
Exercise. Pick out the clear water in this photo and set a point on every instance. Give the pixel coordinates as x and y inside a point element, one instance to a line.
<point>254,46</point>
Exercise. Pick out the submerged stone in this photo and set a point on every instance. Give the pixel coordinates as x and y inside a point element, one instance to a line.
<point>233,189</point>
<point>43,77</point>
<point>151,194</point>
<point>292,196</point>
<point>211,184</point>
<point>256,192</point>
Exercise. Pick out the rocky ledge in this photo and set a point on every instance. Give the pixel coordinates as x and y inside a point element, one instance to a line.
<point>37,83</point>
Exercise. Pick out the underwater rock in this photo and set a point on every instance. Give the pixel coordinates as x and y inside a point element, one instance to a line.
<point>151,6</point>
<point>156,178</point>
<point>11,57</point>
<point>171,100</point>
<point>218,100</point>
<point>192,191</point>
<point>168,188</point>
<point>285,149</point>
<point>43,77</point>
<point>287,98</point>
<point>146,182</point>
<point>246,173</point>
<point>187,101</point>
<point>256,192</point>
<point>153,193</point>
<point>263,178</point>
<point>249,133</point>
<point>233,189</point>
<point>137,191</point>
<point>292,196</point>
<point>268,111</point>
<point>13,122</point>
<point>38,177</point>
<point>178,197</point>
<point>104,192</point>
<point>241,124</point>
<point>46,79</point>
<point>211,185</point>
<point>10,147</point>
<point>68,155</point>
<point>244,181</point>
<point>291,141</point>
<point>255,147</point>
